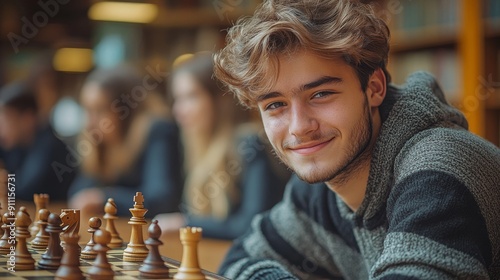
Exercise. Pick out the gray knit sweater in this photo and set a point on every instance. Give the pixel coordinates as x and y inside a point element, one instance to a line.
<point>431,209</point>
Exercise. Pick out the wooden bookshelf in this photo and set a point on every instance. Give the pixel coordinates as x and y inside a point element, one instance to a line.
<point>473,34</point>
<point>423,38</point>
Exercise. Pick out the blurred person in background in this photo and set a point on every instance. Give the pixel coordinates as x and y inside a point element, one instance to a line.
<point>47,85</point>
<point>230,176</point>
<point>28,148</point>
<point>131,146</point>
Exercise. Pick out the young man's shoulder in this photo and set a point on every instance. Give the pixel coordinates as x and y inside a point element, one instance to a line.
<point>455,151</point>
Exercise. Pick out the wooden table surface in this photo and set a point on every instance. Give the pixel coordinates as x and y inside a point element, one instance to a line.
<point>210,251</point>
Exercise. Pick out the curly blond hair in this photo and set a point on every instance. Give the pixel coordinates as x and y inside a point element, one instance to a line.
<point>328,28</point>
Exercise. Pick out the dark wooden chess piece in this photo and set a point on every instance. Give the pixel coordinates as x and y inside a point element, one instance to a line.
<point>88,252</point>
<point>70,263</point>
<point>7,219</point>
<point>51,259</point>
<point>23,258</point>
<point>101,269</point>
<point>110,211</point>
<point>70,221</point>
<point>154,266</point>
<point>136,250</point>
<point>1,223</point>
<point>41,240</point>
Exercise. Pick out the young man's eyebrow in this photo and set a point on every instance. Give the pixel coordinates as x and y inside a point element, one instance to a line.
<point>321,81</point>
<point>265,96</point>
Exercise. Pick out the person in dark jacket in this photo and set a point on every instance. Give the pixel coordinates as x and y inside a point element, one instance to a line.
<point>126,147</point>
<point>230,174</point>
<point>29,149</point>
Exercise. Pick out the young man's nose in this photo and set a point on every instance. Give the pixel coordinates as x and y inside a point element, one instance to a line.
<point>302,121</point>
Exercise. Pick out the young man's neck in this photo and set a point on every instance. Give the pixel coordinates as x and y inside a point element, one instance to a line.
<point>352,190</point>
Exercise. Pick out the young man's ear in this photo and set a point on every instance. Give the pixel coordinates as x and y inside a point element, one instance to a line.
<point>376,88</point>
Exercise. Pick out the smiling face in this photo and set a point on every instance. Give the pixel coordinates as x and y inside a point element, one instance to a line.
<point>318,118</point>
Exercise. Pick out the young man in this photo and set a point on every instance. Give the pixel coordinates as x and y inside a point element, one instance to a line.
<point>398,188</point>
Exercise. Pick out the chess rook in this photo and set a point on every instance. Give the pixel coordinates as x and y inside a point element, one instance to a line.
<point>154,267</point>
<point>52,258</point>
<point>23,259</point>
<point>136,250</point>
<point>190,268</point>
<point>88,252</point>
<point>70,263</point>
<point>101,269</point>
<point>110,211</point>
<point>41,202</point>
<point>41,240</point>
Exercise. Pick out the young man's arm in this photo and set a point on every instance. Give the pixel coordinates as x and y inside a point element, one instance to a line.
<point>436,231</point>
<point>441,211</point>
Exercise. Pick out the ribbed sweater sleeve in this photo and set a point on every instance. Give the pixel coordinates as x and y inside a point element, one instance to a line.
<point>436,227</point>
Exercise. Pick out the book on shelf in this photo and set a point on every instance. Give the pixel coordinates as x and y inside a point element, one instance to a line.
<point>423,14</point>
<point>443,63</point>
<point>492,9</point>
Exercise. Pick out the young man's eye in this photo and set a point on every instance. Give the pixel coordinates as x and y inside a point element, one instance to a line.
<point>322,94</point>
<point>274,105</point>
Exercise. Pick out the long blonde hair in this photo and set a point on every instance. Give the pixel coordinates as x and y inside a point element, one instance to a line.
<point>210,188</point>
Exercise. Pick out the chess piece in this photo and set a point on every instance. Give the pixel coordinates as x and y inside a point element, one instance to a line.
<point>70,263</point>
<point>154,266</point>
<point>1,223</point>
<point>41,202</point>
<point>110,211</point>
<point>88,252</point>
<point>51,259</point>
<point>23,258</point>
<point>8,226</point>
<point>70,221</point>
<point>190,268</point>
<point>136,250</point>
<point>41,240</point>
<point>101,269</point>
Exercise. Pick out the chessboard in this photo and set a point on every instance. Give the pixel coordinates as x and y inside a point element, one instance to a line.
<point>123,269</point>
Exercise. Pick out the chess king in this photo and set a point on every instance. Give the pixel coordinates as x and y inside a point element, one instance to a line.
<point>389,182</point>
<point>136,249</point>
